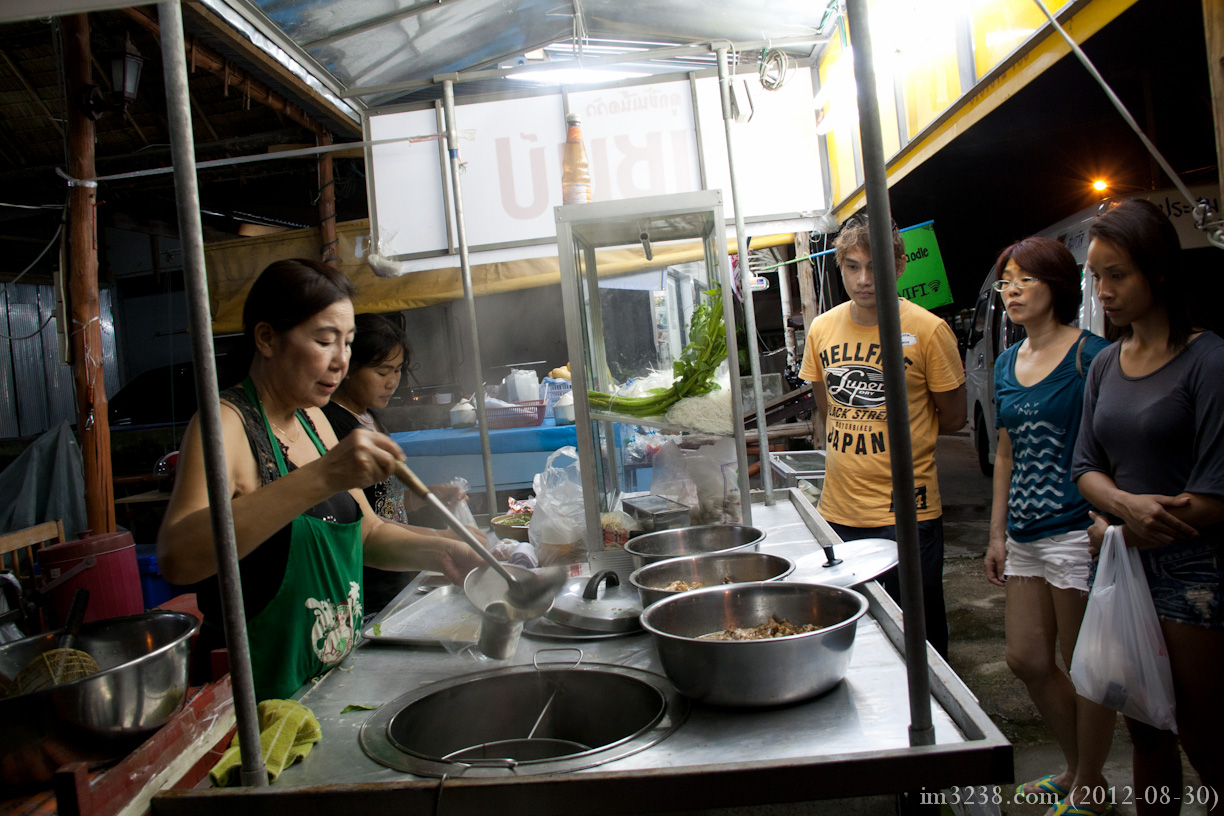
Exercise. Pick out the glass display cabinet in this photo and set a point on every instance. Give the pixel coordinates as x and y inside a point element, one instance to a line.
<point>636,283</point>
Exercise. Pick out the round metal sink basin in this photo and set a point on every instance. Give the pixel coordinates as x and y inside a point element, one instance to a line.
<point>524,720</point>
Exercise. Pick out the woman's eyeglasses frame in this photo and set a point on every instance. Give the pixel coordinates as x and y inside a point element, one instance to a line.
<point>1002,286</point>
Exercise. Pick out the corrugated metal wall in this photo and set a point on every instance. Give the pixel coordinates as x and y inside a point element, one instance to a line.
<point>36,389</point>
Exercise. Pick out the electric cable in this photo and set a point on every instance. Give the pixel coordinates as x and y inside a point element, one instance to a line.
<point>5,284</point>
<point>775,69</point>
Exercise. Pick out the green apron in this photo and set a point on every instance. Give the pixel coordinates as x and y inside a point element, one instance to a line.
<point>314,620</point>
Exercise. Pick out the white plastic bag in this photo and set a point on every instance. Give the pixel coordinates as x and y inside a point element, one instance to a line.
<point>558,522</point>
<point>1120,659</point>
<point>669,479</point>
<point>714,469</point>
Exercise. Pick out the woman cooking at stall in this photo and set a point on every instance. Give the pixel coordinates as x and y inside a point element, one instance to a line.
<point>302,525</point>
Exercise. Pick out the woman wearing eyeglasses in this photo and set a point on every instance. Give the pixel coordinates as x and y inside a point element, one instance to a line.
<point>1038,530</point>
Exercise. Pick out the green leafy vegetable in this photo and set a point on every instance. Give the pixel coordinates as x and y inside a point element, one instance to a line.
<point>356,707</point>
<point>694,371</point>
<point>377,630</point>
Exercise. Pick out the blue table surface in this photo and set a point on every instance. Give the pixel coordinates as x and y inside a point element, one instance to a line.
<point>452,441</point>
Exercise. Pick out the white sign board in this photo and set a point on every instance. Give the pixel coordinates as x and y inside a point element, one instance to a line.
<point>641,141</point>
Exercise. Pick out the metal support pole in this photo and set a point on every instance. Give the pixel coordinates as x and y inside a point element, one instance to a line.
<point>469,297</point>
<point>741,245</point>
<point>191,234</point>
<point>922,732</point>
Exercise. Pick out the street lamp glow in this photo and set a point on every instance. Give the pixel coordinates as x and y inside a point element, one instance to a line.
<point>1100,185</point>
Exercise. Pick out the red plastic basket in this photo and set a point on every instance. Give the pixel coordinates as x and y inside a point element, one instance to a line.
<point>519,415</point>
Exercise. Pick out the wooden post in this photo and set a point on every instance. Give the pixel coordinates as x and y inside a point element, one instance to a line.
<point>1213,28</point>
<point>808,296</point>
<point>327,204</point>
<point>85,329</point>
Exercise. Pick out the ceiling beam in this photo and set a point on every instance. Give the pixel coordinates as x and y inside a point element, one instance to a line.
<point>373,23</point>
<point>202,57</point>
<point>33,93</point>
<point>202,15</point>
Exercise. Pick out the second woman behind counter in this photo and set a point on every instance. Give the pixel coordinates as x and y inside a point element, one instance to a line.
<point>380,353</point>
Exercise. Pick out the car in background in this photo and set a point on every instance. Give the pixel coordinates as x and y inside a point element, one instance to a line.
<point>166,395</point>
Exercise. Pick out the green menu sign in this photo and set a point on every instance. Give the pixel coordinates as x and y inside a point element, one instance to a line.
<point>925,281</point>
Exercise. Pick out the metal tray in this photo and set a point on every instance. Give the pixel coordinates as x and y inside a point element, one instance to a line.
<point>443,616</point>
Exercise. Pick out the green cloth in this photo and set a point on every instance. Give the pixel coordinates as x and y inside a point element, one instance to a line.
<point>287,731</point>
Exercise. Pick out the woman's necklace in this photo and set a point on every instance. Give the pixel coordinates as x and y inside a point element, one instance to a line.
<point>292,440</point>
<point>364,417</point>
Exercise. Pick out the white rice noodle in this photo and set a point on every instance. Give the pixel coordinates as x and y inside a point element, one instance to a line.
<point>710,413</point>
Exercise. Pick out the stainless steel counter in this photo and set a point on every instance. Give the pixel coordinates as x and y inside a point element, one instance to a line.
<point>850,741</point>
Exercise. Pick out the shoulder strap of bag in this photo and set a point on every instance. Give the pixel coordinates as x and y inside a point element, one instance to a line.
<point>1079,356</point>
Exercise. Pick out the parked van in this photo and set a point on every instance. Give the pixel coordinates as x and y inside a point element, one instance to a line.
<point>990,332</point>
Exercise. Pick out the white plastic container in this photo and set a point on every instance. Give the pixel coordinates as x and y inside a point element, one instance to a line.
<point>522,385</point>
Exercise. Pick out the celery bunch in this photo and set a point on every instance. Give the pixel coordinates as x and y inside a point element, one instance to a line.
<point>694,371</point>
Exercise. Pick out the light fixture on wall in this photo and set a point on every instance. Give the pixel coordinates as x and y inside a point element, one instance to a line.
<point>125,82</point>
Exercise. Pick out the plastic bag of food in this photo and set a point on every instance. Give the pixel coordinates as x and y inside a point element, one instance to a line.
<point>1120,658</point>
<point>460,505</point>
<point>558,520</point>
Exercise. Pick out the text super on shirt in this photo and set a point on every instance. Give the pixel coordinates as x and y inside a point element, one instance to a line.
<point>846,357</point>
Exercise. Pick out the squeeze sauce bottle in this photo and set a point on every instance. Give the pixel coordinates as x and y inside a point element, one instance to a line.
<point>575,169</point>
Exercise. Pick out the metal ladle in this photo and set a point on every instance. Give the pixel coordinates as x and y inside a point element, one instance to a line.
<point>523,592</point>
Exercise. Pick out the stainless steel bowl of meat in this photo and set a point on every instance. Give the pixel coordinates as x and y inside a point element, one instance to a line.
<point>759,644</point>
<point>663,579</point>
<point>699,540</point>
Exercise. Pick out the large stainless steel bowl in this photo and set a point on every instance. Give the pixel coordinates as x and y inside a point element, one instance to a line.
<point>703,539</point>
<point>142,684</point>
<point>714,569</point>
<point>766,672</point>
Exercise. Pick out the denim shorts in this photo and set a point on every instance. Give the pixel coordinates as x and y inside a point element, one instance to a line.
<point>1185,581</point>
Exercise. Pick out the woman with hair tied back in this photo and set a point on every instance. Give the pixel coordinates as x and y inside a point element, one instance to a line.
<point>1039,549</point>
<point>1150,457</point>
<point>302,524</point>
<point>380,353</point>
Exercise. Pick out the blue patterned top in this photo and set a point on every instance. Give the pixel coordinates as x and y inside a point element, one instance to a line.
<point>1042,422</point>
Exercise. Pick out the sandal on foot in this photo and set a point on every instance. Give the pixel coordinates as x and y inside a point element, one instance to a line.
<point>1068,809</point>
<point>1045,784</point>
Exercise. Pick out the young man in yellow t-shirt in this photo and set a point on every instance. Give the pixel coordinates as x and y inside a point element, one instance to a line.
<point>842,359</point>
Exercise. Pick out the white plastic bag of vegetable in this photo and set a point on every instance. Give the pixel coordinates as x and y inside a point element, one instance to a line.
<point>558,521</point>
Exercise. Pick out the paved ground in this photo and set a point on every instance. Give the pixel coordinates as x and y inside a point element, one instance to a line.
<point>975,614</point>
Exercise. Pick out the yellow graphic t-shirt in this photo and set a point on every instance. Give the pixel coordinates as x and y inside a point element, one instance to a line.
<point>846,358</point>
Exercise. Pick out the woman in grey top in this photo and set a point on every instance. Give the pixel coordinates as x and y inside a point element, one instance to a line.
<point>1150,457</point>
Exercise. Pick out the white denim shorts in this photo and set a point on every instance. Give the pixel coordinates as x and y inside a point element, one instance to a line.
<point>1062,560</point>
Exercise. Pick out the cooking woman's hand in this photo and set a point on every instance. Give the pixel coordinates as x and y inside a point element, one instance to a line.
<point>361,459</point>
<point>457,561</point>
<point>1148,515</point>
<point>996,557</point>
